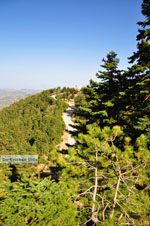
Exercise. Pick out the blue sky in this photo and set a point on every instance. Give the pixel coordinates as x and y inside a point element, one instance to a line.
<point>50,43</point>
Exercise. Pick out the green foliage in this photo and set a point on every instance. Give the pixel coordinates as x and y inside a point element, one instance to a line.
<point>106,173</point>
<point>99,101</point>
<point>67,93</point>
<point>121,174</point>
<point>140,74</point>
<point>113,133</point>
<point>31,126</point>
<point>30,202</point>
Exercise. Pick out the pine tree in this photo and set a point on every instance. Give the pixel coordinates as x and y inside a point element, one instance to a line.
<point>101,98</point>
<point>139,77</point>
<point>119,102</point>
<point>36,203</point>
<point>142,56</point>
<point>109,180</point>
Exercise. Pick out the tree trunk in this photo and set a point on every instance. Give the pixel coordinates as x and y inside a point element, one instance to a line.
<point>94,213</point>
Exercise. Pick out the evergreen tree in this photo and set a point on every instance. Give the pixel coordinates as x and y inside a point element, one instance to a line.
<point>111,183</point>
<point>103,102</point>
<point>30,202</point>
<point>100,96</point>
<point>117,145</point>
<point>139,78</point>
<point>142,56</point>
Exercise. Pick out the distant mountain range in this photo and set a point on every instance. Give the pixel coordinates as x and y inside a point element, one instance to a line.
<point>9,96</point>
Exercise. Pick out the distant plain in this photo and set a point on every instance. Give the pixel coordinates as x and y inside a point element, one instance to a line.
<point>9,96</point>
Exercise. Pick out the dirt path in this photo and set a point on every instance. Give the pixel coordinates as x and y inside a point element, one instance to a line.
<point>67,138</point>
<point>69,123</point>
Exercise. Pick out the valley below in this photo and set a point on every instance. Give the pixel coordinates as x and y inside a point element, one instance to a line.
<point>10,96</point>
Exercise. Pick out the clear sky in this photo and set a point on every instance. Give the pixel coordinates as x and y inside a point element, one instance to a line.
<point>50,43</point>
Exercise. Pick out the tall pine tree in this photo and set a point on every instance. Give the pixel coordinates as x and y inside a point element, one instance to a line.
<point>139,77</point>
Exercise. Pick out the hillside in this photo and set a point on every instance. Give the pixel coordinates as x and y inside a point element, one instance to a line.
<point>9,96</point>
<point>32,126</point>
<point>102,176</point>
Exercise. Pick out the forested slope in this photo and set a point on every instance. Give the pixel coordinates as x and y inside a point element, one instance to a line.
<point>32,126</point>
<point>104,179</point>
<point>28,127</point>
